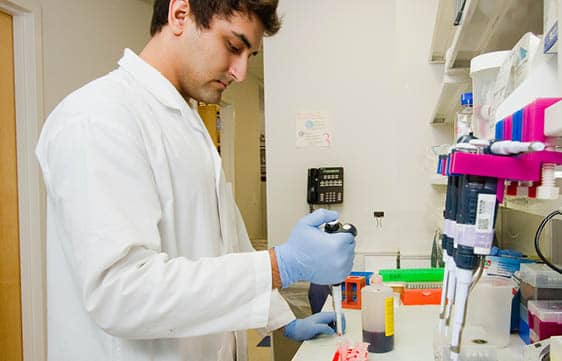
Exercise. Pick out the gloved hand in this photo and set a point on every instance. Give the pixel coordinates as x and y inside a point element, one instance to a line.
<point>314,255</point>
<point>312,326</point>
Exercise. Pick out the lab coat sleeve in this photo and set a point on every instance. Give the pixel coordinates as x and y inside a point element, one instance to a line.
<point>100,184</point>
<point>280,313</point>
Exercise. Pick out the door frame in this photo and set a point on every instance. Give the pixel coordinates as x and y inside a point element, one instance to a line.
<point>28,75</point>
<point>227,134</point>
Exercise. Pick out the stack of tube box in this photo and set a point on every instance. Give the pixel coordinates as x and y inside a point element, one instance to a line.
<point>538,283</point>
<point>545,319</point>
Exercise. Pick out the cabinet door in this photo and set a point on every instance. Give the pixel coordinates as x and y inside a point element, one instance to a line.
<point>209,114</point>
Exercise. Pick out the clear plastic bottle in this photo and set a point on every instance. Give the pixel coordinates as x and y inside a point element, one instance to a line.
<point>377,316</point>
<point>463,126</point>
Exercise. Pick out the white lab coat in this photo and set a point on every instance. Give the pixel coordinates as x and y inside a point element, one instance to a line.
<point>143,235</point>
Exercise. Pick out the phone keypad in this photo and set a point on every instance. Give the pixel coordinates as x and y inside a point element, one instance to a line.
<point>330,186</point>
<point>331,197</point>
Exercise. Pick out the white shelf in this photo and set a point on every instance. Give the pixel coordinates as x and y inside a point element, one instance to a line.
<point>455,82</point>
<point>486,25</point>
<point>538,207</point>
<point>490,25</point>
<point>443,31</point>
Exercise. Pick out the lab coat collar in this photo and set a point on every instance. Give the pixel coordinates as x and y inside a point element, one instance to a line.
<point>153,81</point>
<point>167,94</point>
<point>159,86</point>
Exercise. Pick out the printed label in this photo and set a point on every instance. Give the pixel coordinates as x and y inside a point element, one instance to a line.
<point>453,234</point>
<point>459,233</point>
<point>466,235</point>
<point>483,240</point>
<point>485,212</point>
<point>389,316</point>
<point>447,227</point>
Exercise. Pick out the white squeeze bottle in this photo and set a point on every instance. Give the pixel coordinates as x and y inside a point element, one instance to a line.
<point>377,316</point>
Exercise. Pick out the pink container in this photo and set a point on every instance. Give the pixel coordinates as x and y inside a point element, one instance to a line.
<point>533,119</point>
<point>507,128</point>
<point>545,319</point>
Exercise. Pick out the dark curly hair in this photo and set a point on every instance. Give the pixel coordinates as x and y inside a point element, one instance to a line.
<point>204,10</point>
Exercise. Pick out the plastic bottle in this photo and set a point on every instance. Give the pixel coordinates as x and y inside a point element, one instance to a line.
<point>377,315</point>
<point>464,116</point>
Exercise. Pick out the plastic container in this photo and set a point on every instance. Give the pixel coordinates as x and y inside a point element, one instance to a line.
<point>489,307</point>
<point>463,126</point>
<point>524,324</point>
<point>556,348</point>
<point>421,296</point>
<point>483,71</point>
<point>367,275</point>
<point>474,347</point>
<point>412,275</point>
<point>377,316</point>
<point>545,319</point>
<point>351,291</point>
<point>539,282</point>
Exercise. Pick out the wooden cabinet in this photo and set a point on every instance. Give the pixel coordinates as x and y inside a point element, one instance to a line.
<point>210,113</point>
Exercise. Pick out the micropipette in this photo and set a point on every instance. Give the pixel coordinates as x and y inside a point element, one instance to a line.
<point>475,219</point>
<point>337,298</point>
<point>337,227</point>
<point>449,230</point>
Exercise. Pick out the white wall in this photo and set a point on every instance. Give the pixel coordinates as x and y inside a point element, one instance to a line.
<point>365,62</point>
<point>84,39</point>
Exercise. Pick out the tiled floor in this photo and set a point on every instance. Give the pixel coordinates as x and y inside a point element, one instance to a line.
<point>256,353</point>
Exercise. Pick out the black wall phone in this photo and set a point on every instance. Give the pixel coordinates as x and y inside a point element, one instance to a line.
<point>325,185</point>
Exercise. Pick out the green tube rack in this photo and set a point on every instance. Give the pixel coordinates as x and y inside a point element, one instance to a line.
<point>412,275</point>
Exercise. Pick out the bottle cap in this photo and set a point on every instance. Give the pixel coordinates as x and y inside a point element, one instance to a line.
<point>376,280</point>
<point>466,99</point>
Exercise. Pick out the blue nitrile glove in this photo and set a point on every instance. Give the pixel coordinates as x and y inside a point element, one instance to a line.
<point>312,326</point>
<point>314,255</point>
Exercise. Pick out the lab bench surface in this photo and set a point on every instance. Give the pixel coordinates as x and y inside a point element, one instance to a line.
<point>413,338</point>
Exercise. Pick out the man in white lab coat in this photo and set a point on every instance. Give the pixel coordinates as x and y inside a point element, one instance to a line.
<point>147,255</point>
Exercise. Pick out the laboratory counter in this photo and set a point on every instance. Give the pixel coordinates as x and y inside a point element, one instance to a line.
<point>413,338</point>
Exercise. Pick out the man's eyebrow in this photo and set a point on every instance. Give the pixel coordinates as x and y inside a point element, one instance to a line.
<point>245,40</point>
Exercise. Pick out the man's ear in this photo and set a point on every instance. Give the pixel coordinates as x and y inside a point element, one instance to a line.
<point>178,15</point>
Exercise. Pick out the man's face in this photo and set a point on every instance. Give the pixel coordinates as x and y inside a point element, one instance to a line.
<point>211,59</point>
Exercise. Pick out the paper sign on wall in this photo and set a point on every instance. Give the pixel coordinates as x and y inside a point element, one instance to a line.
<point>312,130</point>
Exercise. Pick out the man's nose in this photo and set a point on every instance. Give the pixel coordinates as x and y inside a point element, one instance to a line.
<point>239,68</point>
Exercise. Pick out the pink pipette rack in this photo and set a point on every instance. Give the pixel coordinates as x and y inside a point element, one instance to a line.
<point>347,353</point>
